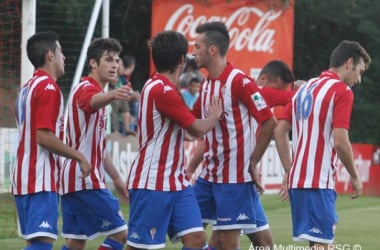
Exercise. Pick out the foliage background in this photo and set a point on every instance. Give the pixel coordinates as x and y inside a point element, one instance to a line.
<point>319,26</point>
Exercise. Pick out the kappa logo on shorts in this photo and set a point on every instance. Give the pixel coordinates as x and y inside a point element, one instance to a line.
<point>242,217</point>
<point>315,230</point>
<point>106,223</point>
<point>135,236</point>
<point>44,224</point>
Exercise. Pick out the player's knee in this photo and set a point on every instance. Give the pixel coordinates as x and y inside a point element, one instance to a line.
<point>228,239</point>
<point>120,237</point>
<point>194,240</point>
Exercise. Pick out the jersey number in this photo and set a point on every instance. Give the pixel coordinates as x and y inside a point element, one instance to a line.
<point>304,103</point>
<point>21,105</point>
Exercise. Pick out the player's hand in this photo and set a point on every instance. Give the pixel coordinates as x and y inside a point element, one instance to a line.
<point>121,190</point>
<point>357,186</point>
<point>85,167</point>
<point>215,108</point>
<point>284,194</point>
<point>123,93</point>
<point>255,174</point>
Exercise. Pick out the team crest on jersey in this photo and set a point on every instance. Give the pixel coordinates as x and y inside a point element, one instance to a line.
<point>259,101</point>
<point>103,121</point>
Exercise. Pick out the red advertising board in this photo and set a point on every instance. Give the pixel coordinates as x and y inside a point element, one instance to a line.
<point>258,31</point>
<point>367,161</point>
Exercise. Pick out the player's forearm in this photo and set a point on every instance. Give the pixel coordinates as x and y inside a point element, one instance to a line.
<point>197,157</point>
<point>102,99</point>
<point>46,139</point>
<point>263,139</point>
<point>281,136</point>
<point>201,126</point>
<point>344,151</point>
<point>110,169</point>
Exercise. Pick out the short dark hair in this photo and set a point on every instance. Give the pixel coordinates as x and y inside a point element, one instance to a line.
<point>278,68</point>
<point>216,34</point>
<point>99,45</point>
<point>128,60</point>
<point>39,45</point>
<point>348,49</point>
<point>168,49</point>
<point>194,79</point>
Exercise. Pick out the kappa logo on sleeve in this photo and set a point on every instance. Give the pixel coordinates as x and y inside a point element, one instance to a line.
<point>259,101</point>
<point>167,89</point>
<point>50,87</point>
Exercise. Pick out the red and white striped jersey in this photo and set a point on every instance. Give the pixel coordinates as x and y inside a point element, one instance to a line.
<point>85,132</point>
<point>230,143</point>
<point>39,105</point>
<point>319,106</point>
<point>163,116</point>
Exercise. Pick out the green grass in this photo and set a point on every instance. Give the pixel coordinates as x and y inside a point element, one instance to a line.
<point>358,224</point>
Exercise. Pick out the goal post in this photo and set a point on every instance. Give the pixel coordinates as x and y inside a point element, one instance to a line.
<point>28,28</point>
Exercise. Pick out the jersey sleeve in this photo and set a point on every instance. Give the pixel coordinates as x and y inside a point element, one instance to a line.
<point>286,113</point>
<point>83,97</point>
<point>171,105</point>
<point>48,106</point>
<point>276,97</point>
<point>250,96</point>
<point>343,104</point>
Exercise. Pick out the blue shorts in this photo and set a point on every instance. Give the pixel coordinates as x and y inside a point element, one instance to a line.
<point>38,214</point>
<point>313,214</point>
<point>227,206</point>
<point>152,214</point>
<point>89,213</point>
<point>261,218</point>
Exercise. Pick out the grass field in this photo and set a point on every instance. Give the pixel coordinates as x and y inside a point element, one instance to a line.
<point>358,225</point>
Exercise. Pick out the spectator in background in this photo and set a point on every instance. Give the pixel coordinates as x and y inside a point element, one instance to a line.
<point>121,118</point>
<point>191,70</point>
<point>191,93</point>
<point>319,116</point>
<point>89,209</point>
<point>39,117</point>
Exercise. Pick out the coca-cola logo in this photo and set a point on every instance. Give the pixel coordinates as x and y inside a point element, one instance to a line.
<point>248,26</point>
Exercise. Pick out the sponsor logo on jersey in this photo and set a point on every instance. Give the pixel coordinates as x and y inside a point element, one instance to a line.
<point>259,101</point>
<point>50,86</point>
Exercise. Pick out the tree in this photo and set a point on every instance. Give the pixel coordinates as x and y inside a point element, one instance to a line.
<point>319,27</point>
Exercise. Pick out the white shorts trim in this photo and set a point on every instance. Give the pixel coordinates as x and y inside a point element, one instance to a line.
<point>306,237</point>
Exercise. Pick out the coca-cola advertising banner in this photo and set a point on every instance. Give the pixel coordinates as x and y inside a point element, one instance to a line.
<point>259,30</point>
